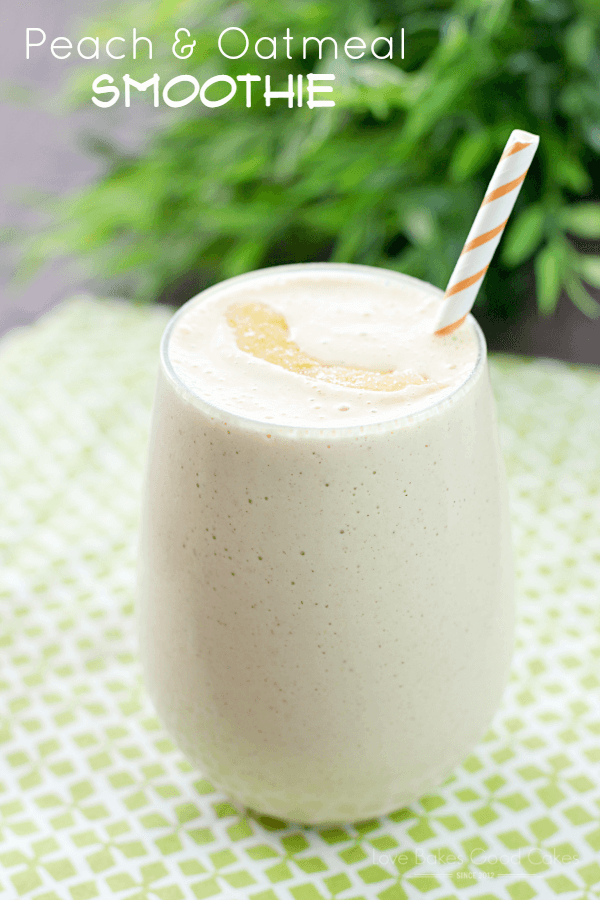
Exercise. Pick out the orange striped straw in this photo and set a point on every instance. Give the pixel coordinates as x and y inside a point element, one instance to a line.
<point>486,230</point>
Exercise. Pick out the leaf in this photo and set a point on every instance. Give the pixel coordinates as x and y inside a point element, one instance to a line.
<point>548,280</point>
<point>524,235</point>
<point>582,219</point>
<point>243,258</point>
<point>589,267</point>
<point>571,174</point>
<point>419,225</point>
<point>470,155</point>
<point>493,15</point>
<point>579,42</point>
<point>581,298</point>
<point>436,102</point>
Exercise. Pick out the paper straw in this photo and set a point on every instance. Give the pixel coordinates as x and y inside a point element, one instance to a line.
<point>486,230</point>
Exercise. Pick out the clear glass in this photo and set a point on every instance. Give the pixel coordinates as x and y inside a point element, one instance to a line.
<point>331,650</point>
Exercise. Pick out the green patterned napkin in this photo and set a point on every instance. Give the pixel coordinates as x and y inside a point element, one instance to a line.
<point>94,799</point>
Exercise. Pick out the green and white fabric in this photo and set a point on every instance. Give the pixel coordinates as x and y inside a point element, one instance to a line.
<point>95,801</point>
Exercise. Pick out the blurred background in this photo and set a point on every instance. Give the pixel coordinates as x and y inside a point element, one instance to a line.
<point>155,204</point>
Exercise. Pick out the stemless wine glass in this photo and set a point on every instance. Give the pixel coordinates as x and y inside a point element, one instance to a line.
<point>325,614</point>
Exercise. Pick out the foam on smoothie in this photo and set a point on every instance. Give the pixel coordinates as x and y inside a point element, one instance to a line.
<point>320,348</point>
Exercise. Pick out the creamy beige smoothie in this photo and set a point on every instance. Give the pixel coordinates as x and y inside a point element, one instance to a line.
<point>325,579</point>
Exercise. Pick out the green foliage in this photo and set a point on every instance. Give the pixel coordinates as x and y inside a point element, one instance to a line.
<point>392,176</point>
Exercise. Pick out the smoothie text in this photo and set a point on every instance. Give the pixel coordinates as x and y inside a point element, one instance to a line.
<point>313,90</point>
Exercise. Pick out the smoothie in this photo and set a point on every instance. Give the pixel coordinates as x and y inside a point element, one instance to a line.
<point>325,579</point>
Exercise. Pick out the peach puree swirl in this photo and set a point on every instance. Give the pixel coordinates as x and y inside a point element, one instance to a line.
<point>264,333</point>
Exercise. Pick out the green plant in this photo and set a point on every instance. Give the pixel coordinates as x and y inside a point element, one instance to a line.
<point>392,176</point>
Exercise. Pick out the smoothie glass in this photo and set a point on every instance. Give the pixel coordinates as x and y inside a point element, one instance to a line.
<point>325,614</point>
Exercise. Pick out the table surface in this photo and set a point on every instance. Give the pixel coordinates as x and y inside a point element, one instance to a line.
<point>95,801</point>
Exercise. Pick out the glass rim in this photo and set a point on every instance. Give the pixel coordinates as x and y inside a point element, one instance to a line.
<point>227,417</point>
